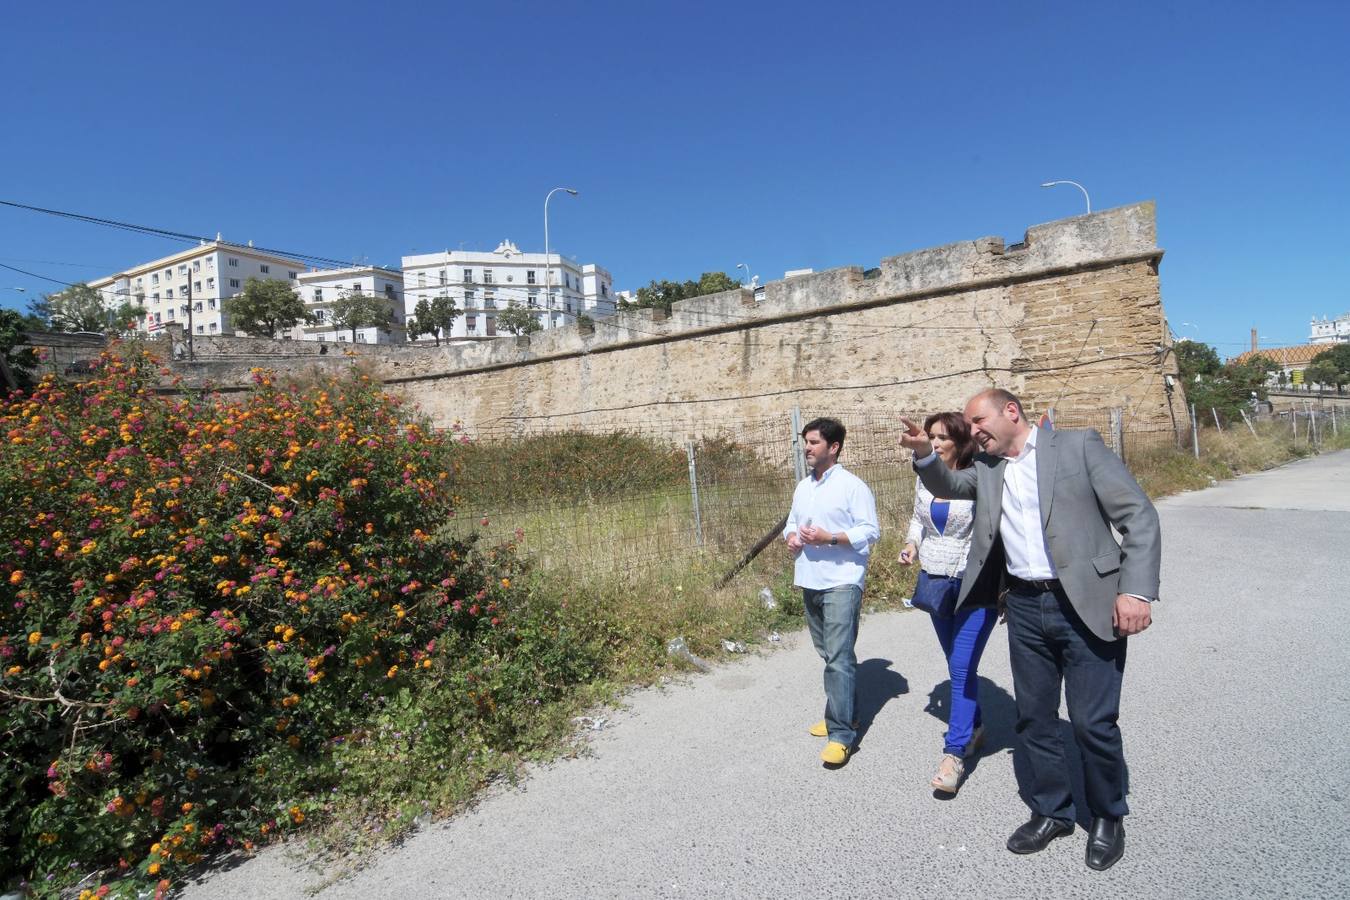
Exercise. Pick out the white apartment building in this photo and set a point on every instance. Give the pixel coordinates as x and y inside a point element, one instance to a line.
<point>319,289</point>
<point>483,283</point>
<point>202,276</point>
<point>1330,331</point>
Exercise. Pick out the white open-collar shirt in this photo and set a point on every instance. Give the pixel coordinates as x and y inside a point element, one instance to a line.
<point>838,501</point>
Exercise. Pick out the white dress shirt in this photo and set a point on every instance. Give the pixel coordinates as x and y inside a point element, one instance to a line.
<point>838,501</point>
<point>1020,525</point>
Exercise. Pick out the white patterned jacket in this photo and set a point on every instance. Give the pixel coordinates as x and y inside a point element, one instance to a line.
<point>945,553</point>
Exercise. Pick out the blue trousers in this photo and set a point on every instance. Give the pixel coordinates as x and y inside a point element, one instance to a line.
<point>1049,646</point>
<point>963,637</point>
<point>832,619</point>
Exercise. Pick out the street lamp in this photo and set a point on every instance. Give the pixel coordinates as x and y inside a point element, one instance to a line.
<point>748,279</point>
<point>548,262</point>
<point>1075,184</point>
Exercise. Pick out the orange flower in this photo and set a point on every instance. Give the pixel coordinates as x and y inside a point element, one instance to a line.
<point>16,576</point>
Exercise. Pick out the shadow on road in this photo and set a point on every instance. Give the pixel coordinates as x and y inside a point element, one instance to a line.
<point>878,684</point>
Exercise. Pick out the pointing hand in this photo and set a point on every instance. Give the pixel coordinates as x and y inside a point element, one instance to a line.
<point>914,440</point>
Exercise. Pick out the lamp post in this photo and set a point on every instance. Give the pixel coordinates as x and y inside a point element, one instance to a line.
<point>548,262</point>
<point>748,278</point>
<point>1075,184</point>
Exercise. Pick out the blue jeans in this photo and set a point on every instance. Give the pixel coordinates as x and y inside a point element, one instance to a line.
<point>832,619</point>
<point>963,637</point>
<point>1050,646</point>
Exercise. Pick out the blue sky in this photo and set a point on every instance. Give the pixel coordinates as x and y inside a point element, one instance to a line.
<point>701,135</point>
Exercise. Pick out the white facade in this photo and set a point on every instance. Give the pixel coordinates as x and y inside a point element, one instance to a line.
<point>483,283</point>
<point>319,289</point>
<point>189,287</point>
<point>1330,331</point>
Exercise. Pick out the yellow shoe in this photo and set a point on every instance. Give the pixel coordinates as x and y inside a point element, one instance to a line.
<point>820,729</point>
<point>834,754</point>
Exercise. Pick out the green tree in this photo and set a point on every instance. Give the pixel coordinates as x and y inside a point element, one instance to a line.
<point>1334,360</point>
<point>1323,373</point>
<point>265,307</point>
<point>664,293</point>
<point>433,317</point>
<point>354,309</point>
<point>1196,358</point>
<point>19,360</point>
<point>77,308</point>
<point>518,320</point>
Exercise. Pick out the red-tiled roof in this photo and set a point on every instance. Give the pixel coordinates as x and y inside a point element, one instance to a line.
<point>1299,355</point>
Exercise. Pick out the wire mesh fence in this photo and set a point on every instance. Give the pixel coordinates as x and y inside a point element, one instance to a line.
<point>623,496</point>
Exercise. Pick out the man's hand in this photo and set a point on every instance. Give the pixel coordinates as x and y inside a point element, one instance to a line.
<point>1131,615</point>
<point>794,543</point>
<point>908,554</point>
<point>914,440</point>
<point>814,534</point>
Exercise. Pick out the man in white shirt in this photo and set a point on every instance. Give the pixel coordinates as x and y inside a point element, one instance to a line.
<point>830,531</point>
<point>1073,595</point>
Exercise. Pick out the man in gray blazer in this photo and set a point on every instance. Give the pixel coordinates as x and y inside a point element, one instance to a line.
<point>1047,500</point>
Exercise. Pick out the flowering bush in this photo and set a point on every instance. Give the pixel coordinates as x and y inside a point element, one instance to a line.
<point>206,602</point>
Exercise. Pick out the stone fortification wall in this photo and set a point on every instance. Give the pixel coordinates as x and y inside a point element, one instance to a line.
<point>1071,317</point>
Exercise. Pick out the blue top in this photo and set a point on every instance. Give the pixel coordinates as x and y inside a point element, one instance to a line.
<point>939,510</point>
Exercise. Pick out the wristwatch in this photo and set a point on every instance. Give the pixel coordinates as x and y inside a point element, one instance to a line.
<point>834,540</point>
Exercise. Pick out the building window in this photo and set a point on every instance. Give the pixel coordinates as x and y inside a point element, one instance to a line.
<point>291,275</point>
<point>169,315</point>
<point>210,262</point>
<point>168,274</point>
<point>421,279</point>
<point>196,265</point>
<point>529,277</point>
<point>604,290</point>
<point>154,297</point>
<point>468,276</point>
<point>154,279</point>
<point>265,268</point>
<point>342,339</point>
<point>442,273</point>
<point>356,288</point>
<point>471,324</point>
<point>182,270</point>
<point>468,296</point>
<point>487,276</point>
<point>138,283</point>
<point>360,337</point>
<point>491,326</point>
<point>183,291</point>
<point>197,286</point>
<point>234,282</point>
<point>211,284</point>
<point>389,291</point>
<point>156,318</point>
<point>211,303</point>
<point>234,261</point>
<point>489,301</point>
<point>201,329</point>
<point>197,306</point>
<point>319,315</point>
<point>318,295</point>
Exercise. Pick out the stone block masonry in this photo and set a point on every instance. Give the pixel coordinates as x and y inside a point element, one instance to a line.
<point>1071,317</point>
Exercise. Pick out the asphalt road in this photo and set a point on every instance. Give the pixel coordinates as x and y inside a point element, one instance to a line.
<point>1236,716</point>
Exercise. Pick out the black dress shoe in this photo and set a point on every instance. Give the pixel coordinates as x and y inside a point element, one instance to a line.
<point>1036,835</point>
<point>1106,843</point>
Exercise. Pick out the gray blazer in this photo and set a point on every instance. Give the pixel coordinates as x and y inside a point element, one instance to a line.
<point>1084,490</point>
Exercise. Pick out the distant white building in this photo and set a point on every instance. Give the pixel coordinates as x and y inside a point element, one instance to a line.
<point>319,289</point>
<point>190,286</point>
<point>481,284</point>
<point>1330,331</point>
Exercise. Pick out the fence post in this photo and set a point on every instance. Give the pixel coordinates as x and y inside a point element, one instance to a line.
<point>1195,432</point>
<point>1213,412</point>
<point>693,492</point>
<point>798,461</point>
<point>1250,427</point>
<point>1334,430</point>
<point>1118,430</point>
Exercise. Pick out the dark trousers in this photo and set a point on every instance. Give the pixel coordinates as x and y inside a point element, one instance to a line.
<point>1049,647</point>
